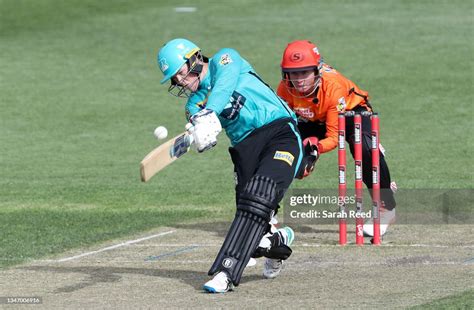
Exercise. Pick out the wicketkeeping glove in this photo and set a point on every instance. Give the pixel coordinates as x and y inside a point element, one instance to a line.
<point>310,156</point>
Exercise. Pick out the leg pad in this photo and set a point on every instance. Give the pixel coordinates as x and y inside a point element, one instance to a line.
<point>254,208</point>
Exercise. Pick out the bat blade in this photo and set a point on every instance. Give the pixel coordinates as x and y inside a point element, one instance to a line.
<point>164,155</point>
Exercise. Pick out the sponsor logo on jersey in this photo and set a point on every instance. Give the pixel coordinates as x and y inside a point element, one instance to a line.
<point>304,112</point>
<point>287,157</point>
<point>327,68</point>
<point>202,104</point>
<point>225,60</point>
<point>232,109</point>
<point>341,106</point>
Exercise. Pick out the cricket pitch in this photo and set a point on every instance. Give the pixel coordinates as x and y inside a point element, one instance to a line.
<point>168,271</point>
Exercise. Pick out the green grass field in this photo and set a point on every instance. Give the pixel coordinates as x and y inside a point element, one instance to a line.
<point>80,97</point>
<point>459,301</point>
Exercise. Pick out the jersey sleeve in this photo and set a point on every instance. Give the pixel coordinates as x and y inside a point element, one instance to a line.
<point>226,66</point>
<point>330,142</point>
<point>190,110</point>
<point>284,94</point>
<point>195,103</point>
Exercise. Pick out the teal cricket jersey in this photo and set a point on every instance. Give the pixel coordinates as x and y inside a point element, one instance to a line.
<point>242,101</point>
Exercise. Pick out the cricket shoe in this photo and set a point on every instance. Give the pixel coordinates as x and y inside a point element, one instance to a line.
<point>272,267</point>
<point>387,217</point>
<point>252,262</point>
<point>221,283</point>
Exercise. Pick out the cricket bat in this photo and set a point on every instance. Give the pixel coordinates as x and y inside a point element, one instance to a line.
<point>164,155</point>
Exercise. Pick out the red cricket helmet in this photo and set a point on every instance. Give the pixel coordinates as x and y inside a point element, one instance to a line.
<point>300,55</point>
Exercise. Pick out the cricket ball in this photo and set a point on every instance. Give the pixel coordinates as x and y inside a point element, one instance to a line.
<point>160,132</point>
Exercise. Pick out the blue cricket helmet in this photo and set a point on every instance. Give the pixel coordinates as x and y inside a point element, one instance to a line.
<point>173,55</point>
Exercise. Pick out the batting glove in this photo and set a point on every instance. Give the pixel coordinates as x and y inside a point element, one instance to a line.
<point>206,128</point>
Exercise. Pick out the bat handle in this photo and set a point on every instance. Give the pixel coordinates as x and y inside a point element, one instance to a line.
<point>190,139</point>
<point>190,129</point>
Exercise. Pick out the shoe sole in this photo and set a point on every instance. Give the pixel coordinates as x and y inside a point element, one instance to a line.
<point>272,276</point>
<point>212,290</point>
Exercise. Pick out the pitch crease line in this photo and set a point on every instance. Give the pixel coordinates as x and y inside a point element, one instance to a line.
<point>115,246</point>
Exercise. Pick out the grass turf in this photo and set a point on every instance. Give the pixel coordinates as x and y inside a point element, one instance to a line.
<point>81,97</point>
<point>463,301</point>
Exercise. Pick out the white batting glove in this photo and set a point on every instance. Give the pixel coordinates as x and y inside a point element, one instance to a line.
<point>206,128</point>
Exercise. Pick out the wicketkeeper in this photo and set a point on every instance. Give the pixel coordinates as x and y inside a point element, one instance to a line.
<point>317,93</point>
<point>225,92</point>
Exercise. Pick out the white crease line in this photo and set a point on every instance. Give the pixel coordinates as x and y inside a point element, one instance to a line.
<point>115,246</point>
